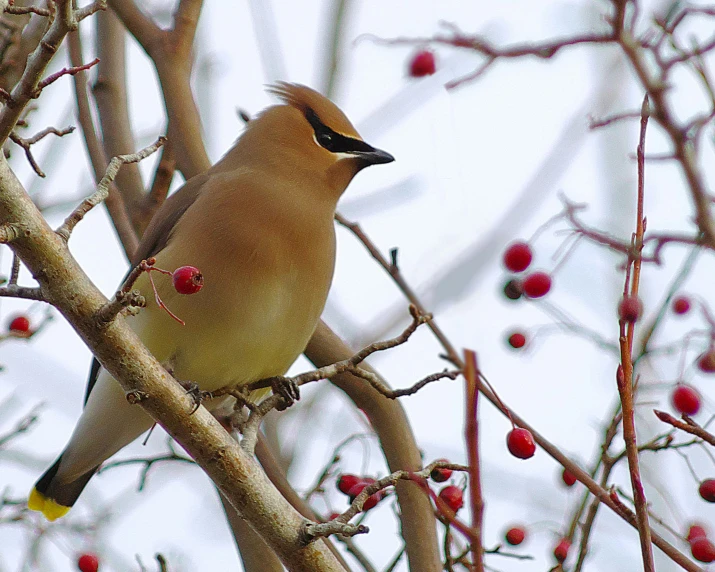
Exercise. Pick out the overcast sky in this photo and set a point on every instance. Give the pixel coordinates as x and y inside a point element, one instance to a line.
<point>475,168</point>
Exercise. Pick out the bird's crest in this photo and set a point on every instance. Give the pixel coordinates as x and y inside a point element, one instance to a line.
<point>306,100</point>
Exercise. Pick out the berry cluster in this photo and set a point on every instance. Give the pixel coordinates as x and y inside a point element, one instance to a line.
<point>701,547</point>
<point>352,486</point>
<point>517,258</point>
<point>515,535</point>
<point>452,495</point>
<point>684,398</point>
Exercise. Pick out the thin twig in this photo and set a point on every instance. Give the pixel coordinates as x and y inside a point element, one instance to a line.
<point>471,436</point>
<point>598,491</point>
<point>15,270</point>
<point>24,292</point>
<point>250,428</point>
<point>315,530</point>
<point>163,176</point>
<point>396,275</point>
<point>624,375</point>
<point>22,426</point>
<point>114,202</point>
<point>63,22</point>
<point>689,426</point>
<point>20,10</point>
<point>350,365</point>
<point>26,143</point>
<point>63,72</point>
<point>65,230</point>
<point>147,464</point>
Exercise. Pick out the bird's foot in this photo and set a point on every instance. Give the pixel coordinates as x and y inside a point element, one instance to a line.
<point>287,389</point>
<point>195,392</point>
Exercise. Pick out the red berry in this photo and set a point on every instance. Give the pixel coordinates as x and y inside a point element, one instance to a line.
<point>562,549</point>
<point>515,535</point>
<point>422,64</point>
<point>681,305</point>
<point>358,487</point>
<point>517,340</point>
<point>568,478</point>
<point>88,563</point>
<point>630,308</point>
<point>19,325</point>
<point>188,280</point>
<point>346,482</point>
<point>517,256</point>
<point>537,284</point>
<point>685,399</point>
<point>707,490</point>
<point>696,531</point>
<point>706,362</point>
<point>513,289</point>
<point>333,515</point>
<point>702,549</point>
<point>520,443</point>
<point>439,475</point>
<point>453,497</point>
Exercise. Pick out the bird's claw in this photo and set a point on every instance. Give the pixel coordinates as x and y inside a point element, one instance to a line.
<point>195,392</point>
<point>287,389</point>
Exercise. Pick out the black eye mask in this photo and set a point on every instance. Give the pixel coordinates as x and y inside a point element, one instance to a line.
<point>332,141</point>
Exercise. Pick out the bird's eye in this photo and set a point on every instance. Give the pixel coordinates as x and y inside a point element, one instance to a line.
<point>325,139</point>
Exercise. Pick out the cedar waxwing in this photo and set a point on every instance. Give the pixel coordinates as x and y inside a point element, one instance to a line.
<point>259,226</point>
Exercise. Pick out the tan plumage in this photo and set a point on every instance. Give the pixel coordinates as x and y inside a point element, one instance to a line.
<point>259,226</point>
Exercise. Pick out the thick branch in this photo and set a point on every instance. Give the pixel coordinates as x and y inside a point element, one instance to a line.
<point>110,93</point>
<point>114,202</point>
<point>397,442</point>
<point>172,58</point>
<point>119,350</point>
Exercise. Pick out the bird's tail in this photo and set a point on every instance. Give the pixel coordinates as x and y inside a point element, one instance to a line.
<point>52,497</point>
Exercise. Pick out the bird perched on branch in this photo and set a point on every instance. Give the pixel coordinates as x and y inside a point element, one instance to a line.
<point>259,227</point>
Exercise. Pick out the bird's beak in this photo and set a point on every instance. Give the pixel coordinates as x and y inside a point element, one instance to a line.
<point>374,156</point>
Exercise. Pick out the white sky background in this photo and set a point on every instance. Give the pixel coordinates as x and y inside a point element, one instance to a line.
<point>466,159</point>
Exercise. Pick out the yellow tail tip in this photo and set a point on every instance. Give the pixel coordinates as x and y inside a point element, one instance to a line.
<point>51,509</point>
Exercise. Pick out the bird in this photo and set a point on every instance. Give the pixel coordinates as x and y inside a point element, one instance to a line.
<point>259,226</point>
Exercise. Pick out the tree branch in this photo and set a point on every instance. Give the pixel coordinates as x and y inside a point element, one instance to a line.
<point>114,201</point>
<point>120,351</point>
<point>689,426</point>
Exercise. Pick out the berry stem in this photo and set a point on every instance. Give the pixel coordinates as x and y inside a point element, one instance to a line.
<point>471,430</point>
<point>160,302</point>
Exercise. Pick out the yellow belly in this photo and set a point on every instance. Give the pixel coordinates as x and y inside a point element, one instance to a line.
<point>237,329</point>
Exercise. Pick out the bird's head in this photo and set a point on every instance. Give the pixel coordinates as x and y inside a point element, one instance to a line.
<point>309,132</point>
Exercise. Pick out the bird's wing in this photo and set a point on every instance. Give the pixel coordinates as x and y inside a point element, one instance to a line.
<point>155,238</point>
<point>159,230</point>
